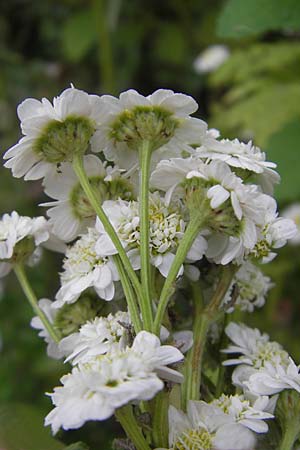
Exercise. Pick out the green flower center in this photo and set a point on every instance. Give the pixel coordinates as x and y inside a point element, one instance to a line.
<point>199,439</point>
<point>144,123</point>
<point>61,140</point>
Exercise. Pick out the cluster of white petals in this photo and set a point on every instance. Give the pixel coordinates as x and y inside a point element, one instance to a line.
<point>92,391</point>
<point>167,227</point>
<point>13,230</point>
<point>263,367</point>
<point>83,268</point>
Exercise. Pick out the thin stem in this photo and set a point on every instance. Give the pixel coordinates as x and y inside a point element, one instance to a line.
<point>31,297</point>
<point>126,418</point>
<point>105,54</point>
<point>202,321</point>
<point>185,244</point>
<point>130,296</point>
<point>160,420</point>
<point>290,435</point>
<point>85,184</point>
<point>146,306</point>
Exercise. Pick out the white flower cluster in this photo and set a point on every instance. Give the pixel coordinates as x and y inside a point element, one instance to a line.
<point>263,367</point>
<point>99,383</point>
<point>209,205</point>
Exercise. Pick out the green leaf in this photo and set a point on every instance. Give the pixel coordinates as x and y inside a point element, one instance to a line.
<point>79,35</point>
<point>241,18</point>
<point>283,148</point>
<point>77,446</point>
<point>22,428</point>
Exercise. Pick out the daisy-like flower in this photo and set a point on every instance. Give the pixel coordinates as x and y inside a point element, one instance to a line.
<point>53,133</point>
<point>83,268</point>
<point>250,414</point>
<point>292,212</point>
<point>252,286</point>
<point>274,233</point>
<point>52,347</point>
<point>207,427</point>
<point>20,237</point>
<point>97,337</point>
<point>255,349</point>
<point>72,213</point>
<point>94,390</point>
<point>162,118</point>
<point>211,58</point>
<point>166,229</point>
<point>244,156</point>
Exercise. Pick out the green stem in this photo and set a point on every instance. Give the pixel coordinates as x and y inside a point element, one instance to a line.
<point>160,419</point>
<point>290,435</point>
<point>130,296</point>
<point>202,321</point>
<point>105,56</point>
<point>85,184</point>
<point>185,244</point>
<point>31,297</point>
<point>126,418</point>
<point>146,305</point>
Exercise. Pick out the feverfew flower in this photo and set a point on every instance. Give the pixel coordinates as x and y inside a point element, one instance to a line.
<point>252,287</point>
<point>94,390</point>
<point>292,212</point>
<point>255,349</point>
<point>207,427</point>
<point>250,414</point>
<point>72,213</point>
<point>244,156</point>
<point>211,58</point>
<point>97,337</point>
<point>53,133</point>
<point>52,347</point>
<point>166,229</point>
<point>83,268</point>
<point>162,118</point>
<point>19,237</point>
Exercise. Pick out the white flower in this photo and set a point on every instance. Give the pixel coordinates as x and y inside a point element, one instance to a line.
<point>211,58</point>
<point>206,426</point>
<point>14,230</point>
<point>71,213</point>
<point>255,348</point>
<point>52,348</point>
<point>83,268</point>
<point>252,286</point>
<point>274,377</point>
<point>250,414</point>
<point>292,212</point>
<point>97,337</point>
<point>52,133</point>
<point>162,117</point>
<point>94,390</point>
<point>243,156</point>
<point>166,229</point>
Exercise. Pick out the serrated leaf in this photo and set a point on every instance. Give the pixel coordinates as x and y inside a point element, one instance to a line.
<point>79,35</point>
<point>241,18</point>
<point>283,148</point>
<point>22,427</point>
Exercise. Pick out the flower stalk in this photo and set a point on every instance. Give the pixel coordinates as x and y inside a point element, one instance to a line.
<point>31,297</point>
<point>126,418</point>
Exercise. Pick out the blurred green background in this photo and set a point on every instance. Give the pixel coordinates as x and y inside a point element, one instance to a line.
<point>109,46</point>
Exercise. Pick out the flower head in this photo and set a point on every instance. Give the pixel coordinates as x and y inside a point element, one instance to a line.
<point>83,268</point>
<point>19,238</point>
<point>53,133</point>
<point>211,58</point>
<point>292,212</point>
